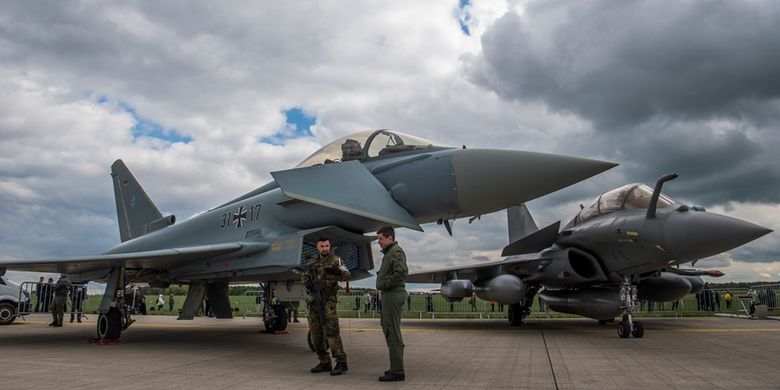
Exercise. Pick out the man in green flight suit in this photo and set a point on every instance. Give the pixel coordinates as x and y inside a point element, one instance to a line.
<point>390,280</point>
<point>321,278</point>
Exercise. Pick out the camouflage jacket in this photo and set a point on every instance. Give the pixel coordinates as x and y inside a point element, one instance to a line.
<point>62,287</point>
<point>393,271</point>
<point>326,270</point>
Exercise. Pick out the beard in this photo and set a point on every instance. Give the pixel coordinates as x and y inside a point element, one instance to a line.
<point>324,253</point>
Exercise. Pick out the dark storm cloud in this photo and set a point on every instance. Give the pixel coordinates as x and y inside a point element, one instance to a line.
<point>620,63</point>
<point>669,87</point>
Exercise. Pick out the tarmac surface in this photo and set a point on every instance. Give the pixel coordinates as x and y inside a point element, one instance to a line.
<point>160,352</point>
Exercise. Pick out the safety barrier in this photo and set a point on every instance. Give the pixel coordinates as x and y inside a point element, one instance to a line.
<point>38,297</point>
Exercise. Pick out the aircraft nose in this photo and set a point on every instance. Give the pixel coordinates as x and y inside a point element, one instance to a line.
<point>488,180</point>
<point>695,235</point>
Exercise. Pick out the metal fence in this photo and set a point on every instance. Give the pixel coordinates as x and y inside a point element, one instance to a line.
<point>38,297</point>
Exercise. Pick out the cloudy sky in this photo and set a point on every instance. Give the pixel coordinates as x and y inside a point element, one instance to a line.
<point>203,99</point>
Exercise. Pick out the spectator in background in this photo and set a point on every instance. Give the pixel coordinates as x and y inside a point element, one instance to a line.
<point>292,310</point>
<point>357,302</point>
<point>727,297</point>
<point>160,302</point>
<point>170,302</point>
<point>39,293</point>
<point>367,302</point>
<point>77,301</point>
<point>429,303</point>
<point>473,302</point>
<point>409,302</point>
<point>48,295</point>
<point>717,300</point>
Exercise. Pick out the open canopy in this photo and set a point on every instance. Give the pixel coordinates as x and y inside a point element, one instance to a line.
<point>366,145</point>
<point>629,196</point>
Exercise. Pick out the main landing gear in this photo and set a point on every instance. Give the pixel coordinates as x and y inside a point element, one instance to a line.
<point>114,317</point>
<point>518,311</point>
<point>274,315</point>
<point>629,327</point>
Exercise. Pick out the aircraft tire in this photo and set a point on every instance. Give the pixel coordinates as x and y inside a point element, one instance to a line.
<point>7,313</point>
<point>515,314</point>
<point>623,329</point>
<point>280,322</point>
<point>281,318</point>
<point>638,330</point>
<point>109,325</point>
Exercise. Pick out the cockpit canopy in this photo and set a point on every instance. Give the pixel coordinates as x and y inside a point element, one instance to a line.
<point>366,145</point>
<point>629,196</point>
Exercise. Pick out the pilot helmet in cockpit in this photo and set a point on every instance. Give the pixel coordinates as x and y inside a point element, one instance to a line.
<point>351,150</point>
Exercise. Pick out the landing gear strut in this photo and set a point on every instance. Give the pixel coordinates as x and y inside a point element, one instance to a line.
<point>628,296</point>
<point>274,316</point>
<point>518,311</point>
<point>114,316</point>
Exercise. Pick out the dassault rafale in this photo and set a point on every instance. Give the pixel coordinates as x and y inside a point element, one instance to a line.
<point>624,247</point>
<point>348,188</point>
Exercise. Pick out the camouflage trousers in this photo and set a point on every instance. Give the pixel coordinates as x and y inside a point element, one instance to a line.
<point>328,331</point>
<point>58,309</point>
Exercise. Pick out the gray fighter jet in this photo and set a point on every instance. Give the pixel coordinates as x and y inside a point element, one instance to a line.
<point>352,186</point>
<point>625,247</point>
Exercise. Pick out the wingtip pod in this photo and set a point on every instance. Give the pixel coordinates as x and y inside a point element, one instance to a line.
<point>510,177</point>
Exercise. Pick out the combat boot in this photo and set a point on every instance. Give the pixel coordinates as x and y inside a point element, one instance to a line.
<point>393,377</point>
<point>341,367</point>
<point>322,367</point>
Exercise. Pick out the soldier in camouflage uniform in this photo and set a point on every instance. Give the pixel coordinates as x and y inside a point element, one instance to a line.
<point>321,277</point>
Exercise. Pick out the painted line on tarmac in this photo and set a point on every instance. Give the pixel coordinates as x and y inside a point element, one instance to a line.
<point>703,330</point>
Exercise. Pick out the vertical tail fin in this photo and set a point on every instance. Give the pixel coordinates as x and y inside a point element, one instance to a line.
<point>520,222</point>
<point>135,211</point>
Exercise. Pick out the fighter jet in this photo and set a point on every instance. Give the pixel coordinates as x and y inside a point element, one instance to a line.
<point>348,188</point>
<point>624,247</point>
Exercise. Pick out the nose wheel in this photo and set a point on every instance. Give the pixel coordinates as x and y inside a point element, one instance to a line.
<point>628,295</point>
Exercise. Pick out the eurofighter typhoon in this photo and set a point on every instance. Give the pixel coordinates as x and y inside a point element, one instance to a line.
<point>348,188</point>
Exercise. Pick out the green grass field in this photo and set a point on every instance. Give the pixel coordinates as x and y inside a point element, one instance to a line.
<point>246,306</point>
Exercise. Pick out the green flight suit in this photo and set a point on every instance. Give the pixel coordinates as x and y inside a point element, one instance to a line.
<point>321,281</point>
<point>391,281</point>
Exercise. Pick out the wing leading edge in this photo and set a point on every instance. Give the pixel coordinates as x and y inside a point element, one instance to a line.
<point>155,259</point>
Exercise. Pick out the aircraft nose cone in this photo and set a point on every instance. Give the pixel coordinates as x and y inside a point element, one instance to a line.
<point>488,180</point>
<point>695,235</point>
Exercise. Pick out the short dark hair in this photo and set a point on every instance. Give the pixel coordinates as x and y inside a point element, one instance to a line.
<point>323,238</point>
<point>387,231</point>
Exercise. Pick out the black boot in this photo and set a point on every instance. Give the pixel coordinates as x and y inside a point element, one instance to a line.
<point>322,367</point>
<point>392,377</point>
<point>341,367</point>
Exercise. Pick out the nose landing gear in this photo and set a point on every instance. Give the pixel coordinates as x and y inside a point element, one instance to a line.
<point>628,295</point>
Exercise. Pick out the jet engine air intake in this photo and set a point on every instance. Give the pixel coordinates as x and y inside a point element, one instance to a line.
<point>568,267</point>
<point>457,289</point>
<point>506,289</point>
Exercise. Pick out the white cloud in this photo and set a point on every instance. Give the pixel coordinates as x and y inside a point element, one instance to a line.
<point>223,74</point>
